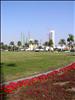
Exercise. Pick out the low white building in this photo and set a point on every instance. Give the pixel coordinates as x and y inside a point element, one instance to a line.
<point>32,45</point>
<point>61,47</point>
<point>47,48</point>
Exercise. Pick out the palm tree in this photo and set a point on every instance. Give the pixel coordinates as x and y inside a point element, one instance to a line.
<point>30,42</point>
<point>5,47</point>
<point>50,43</point>
<point>26,45</point>
<point>12,45</point>
<point>62,42</point>
<point>9,48</point>
<point>46,43</point>
<point>70,40</point>
<point>1,45</point>
<point>36,42</point>
<point>19,43</point>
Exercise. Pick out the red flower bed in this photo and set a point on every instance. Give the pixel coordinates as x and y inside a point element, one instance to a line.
<point>44,87</point>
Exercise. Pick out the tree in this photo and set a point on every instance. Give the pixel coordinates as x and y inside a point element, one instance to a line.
<point>50,43</point>
<point>26,45</point>
<point>70,40</point>
<point>46,43</point>
<point>36,42</point>
<point>62,42</point>
<point>12,45</point>
<point>15,48</point>
<point>5,47</point>
<point>1,45</point>
<point>9,48</point>
<point>30,42</point>
<point>40,47</point>
<point>19,43</point>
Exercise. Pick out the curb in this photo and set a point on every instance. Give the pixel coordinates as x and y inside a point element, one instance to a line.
<point>30,77</point>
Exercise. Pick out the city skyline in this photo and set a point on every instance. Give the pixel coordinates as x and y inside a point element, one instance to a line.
<point>38,18</point>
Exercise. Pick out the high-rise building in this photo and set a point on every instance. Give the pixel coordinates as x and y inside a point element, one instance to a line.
<point>52,37</point>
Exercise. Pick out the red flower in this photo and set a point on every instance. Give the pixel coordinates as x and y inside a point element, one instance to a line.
<point>9,88</point>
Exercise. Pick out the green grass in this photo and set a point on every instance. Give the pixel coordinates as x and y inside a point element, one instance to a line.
<point>22,64</point>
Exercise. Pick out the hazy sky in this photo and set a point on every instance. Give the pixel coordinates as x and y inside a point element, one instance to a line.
<point>38,18</point>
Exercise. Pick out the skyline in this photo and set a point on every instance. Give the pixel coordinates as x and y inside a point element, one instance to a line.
<point>38,18</point>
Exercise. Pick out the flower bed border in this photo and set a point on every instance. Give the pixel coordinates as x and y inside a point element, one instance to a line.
<point>11,86</point>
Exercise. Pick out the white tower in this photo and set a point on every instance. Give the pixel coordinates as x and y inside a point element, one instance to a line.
<point>52,37</point>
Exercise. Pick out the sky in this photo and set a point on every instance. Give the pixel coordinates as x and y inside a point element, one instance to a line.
<point>36,18</point>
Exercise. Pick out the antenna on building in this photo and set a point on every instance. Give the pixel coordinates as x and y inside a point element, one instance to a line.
<point>21,39</point>
<point>26,40</point>
<point>40,42</point>
<point>29,35</point>
<point>49,36</point>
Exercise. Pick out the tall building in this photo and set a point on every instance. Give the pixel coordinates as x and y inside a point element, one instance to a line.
<point>22,38</point>
<point>52,37</point>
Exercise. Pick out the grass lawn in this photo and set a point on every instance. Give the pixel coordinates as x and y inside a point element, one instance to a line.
<point>16,65</point>
<point>60,86</point>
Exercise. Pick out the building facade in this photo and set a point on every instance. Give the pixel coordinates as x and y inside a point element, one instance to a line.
<point>52,37</point>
